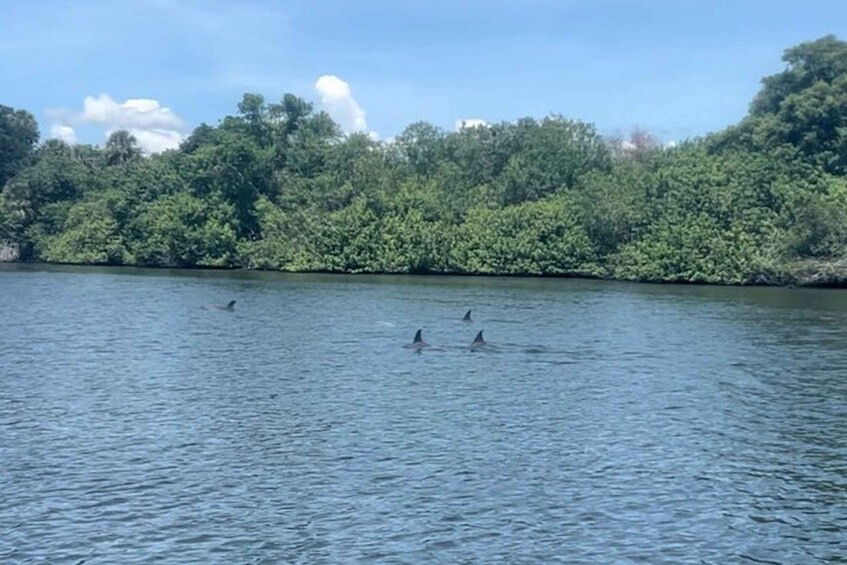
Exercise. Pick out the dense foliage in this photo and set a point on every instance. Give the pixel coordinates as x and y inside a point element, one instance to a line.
<point>278,186</point>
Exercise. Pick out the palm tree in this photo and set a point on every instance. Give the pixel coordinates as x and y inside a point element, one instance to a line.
<point>121,148</point>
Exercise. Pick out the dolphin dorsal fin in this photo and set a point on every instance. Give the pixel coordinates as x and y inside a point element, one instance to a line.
<point>418,337</point>
<point>478,338</point>
<point>230,304</point>
<point>467,317</point>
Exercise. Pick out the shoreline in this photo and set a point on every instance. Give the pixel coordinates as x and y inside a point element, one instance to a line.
<point>801,274</point>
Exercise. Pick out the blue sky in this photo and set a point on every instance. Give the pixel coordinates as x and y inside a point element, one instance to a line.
<point>676,68</point>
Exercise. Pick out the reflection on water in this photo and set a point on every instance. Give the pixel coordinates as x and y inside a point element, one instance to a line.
<point>602,422</point>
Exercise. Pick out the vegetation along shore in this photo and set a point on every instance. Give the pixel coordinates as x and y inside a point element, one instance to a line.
<point>278,186</point>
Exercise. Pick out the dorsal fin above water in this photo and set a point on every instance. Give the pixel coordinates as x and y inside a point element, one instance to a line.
<point>418,337</point>
<point>467,317</point>
<point>478,339</point>
<point>230,305</point>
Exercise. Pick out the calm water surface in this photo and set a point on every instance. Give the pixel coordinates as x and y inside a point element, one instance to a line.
<point>604,422</point>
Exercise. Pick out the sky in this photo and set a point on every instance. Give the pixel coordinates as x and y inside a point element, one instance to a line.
<point>159,68</point>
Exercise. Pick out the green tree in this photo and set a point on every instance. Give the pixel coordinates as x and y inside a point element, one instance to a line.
<point>121,148</point>
<point>180,230</point>
<point>803,106</point>
<point>279,186</point>
<point>90,235</point>
<point>18,136</point>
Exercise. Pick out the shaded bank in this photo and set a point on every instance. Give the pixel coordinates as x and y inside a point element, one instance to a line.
<point>801,274</point>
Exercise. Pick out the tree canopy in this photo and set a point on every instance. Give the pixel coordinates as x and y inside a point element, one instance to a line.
<point>278,186</point>
<point>18,136</point>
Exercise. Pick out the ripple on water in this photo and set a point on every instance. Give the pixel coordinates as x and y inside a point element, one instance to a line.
<point>604,423</point>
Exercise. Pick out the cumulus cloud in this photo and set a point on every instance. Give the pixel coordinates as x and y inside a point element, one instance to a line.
<point>155,127</point>
<point>132,113</point>
<point>156,140</point>
<point>337,99</point>
<point>469,123</point>
<point>63,132</point>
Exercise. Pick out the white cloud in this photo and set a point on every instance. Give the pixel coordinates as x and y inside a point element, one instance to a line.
<point>156,140</point>
<point>133,113</point>
<point>338,101</point>
<point>155,127</point>
<point>63,132</point>
<point>469,123</point>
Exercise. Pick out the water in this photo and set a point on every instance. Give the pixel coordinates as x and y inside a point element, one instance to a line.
<point>604,422</point>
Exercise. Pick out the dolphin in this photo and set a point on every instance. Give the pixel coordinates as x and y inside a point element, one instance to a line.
<point>467,317</point>
<point>230,306</point>
<point>418,342</point>
<point>478,341</point>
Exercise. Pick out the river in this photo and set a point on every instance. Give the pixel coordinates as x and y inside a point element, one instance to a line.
<point>601,423</point>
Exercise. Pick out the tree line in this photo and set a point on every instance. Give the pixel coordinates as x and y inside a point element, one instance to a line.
<point>279,186</point>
